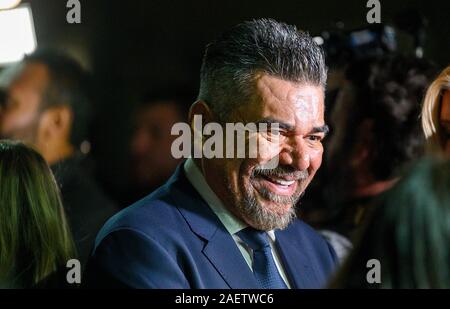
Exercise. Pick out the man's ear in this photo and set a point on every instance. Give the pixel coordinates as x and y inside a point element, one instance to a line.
<point>200,108</point>
<point>56,122</point>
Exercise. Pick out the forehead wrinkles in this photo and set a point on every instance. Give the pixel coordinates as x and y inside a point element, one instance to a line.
<point>306,106</point>
<point>269,89</point>
<point>298,101</point>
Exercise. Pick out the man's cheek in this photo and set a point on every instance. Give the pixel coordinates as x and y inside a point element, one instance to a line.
<point>268,152</point>
<point>19,120</point>
<point>233,180</point>
<point>231,169</point>
<point>316,157</point>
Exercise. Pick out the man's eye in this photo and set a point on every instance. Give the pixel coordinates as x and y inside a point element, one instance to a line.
<point>271,132</point>
<point>274,131</point>
<point>314,138</point>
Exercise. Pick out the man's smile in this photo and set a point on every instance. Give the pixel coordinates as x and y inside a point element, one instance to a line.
<point>284,186</point>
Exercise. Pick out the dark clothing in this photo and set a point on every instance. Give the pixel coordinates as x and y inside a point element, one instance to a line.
<point>173,239</point>
<point>352,217</point>
<point>87,207</point>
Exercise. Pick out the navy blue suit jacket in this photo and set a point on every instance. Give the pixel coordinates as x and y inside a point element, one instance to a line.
<point>172,239</point>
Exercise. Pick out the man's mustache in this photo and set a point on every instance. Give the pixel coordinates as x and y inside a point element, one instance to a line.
<point>282,171</point>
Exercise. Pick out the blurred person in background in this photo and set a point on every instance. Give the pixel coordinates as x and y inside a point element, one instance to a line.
<point>2,100</point>
<point>35,239</point>
<point>375,132</point>
<point>408,233</point>
<point>152,162</point>
<point>47,107</point>
<point>436,115</point>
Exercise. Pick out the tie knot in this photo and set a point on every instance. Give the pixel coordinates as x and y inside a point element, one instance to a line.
<point>255,239</point>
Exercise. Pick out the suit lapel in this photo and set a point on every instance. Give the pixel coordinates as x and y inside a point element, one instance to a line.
<point>223,253</point>
<point>295,262</point>
<point>220,249</point>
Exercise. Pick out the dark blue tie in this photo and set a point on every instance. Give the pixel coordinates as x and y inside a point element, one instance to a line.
<point>264,267</point>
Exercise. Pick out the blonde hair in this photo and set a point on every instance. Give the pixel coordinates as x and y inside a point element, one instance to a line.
<point>35,238</point>
<point>431,109</point>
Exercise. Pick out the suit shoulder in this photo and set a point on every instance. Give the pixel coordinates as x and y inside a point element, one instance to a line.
<point>305,228</point>
<point>152,215</point>
<point>308,233</point>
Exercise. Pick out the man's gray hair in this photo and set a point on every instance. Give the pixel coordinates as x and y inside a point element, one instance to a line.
<point>231,62</point>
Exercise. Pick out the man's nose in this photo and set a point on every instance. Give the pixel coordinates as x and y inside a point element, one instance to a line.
<point>296,154</point>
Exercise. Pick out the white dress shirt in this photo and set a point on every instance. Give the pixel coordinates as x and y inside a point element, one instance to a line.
<point>232,224</point>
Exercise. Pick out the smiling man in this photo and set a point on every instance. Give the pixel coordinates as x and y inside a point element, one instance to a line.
<point>230,222</point>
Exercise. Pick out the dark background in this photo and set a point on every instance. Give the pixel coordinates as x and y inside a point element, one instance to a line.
<point>131,46</point>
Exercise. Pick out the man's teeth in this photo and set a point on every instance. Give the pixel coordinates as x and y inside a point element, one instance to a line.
<point>282,182</point>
